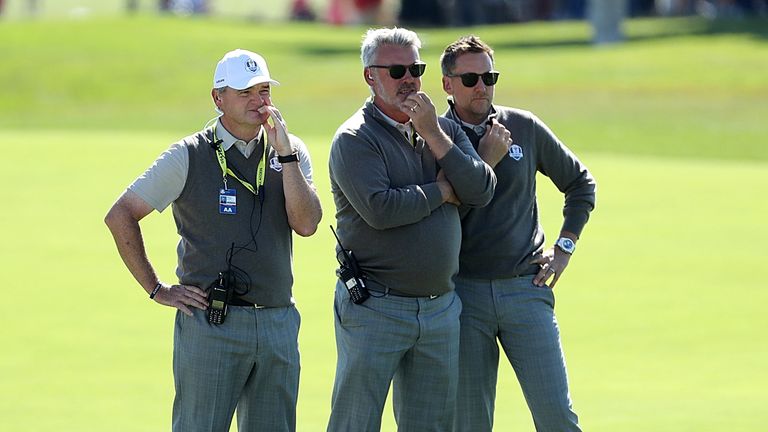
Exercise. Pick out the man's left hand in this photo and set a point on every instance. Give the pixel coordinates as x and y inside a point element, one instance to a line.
<point>446,189</point>
<point>553,263</point>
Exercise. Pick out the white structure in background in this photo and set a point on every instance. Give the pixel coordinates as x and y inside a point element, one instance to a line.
<point>606,17</point>
<point>187,7</point>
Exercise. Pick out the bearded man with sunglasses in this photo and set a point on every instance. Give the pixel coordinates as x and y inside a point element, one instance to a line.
<point>506,275</point>
<point>398,173</point>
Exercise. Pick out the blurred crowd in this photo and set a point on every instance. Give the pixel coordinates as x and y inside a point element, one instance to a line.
<point>467,12</point>
<point>478,12</point>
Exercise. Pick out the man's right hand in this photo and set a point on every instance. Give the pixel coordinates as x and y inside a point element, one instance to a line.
<point>181,297</point>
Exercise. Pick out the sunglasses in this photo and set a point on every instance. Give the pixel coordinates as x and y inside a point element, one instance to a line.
<point>398,71</point>
<point>469,79</point>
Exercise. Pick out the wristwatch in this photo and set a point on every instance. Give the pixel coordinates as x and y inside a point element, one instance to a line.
<point>566,245</point>
<point>293,157</point>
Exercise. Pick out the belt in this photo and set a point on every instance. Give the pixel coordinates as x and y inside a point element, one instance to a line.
<point>396,293</point>
<point>240,302</point>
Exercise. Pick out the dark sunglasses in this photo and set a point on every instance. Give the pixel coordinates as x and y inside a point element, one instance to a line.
<point>398,71</point>
<point>469,79</point>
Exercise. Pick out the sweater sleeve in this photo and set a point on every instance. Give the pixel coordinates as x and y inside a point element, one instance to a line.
<point>571,177</point>
<point>472,179</point>
<point>359,171</point>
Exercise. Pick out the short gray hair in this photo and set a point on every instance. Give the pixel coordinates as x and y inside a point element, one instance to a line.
<point>375,38</point>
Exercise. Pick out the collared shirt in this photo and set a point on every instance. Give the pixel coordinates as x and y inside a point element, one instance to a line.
<point>405,128</point>
<point>479,129</point>
<point>163,182</point>
<point>228,140</point>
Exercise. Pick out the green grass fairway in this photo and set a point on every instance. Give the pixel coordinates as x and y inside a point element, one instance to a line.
<point>661,311</point>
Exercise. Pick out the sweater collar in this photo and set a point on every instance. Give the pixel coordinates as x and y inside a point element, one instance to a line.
<point>406,129</point>
<point>478,129</point>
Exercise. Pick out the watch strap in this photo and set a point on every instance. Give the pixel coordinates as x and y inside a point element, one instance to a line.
<point>293,157</point>
<point>155,290</point>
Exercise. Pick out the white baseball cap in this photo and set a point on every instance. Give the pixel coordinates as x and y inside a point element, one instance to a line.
<point>240,69</point>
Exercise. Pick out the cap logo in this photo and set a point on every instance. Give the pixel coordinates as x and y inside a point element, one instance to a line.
<point>516,152</point>
<point>252,66</point>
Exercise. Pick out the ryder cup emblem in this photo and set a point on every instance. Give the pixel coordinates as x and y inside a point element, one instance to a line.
<point>252,66</point>
<point>275,165</point>
<point>516,152</point>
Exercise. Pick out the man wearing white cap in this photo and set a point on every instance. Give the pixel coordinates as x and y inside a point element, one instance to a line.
<point>238,191</point>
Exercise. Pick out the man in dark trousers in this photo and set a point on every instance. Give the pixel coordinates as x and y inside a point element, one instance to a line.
<point>506,271</point>
<point>397,174</point>
<point>238,191</point>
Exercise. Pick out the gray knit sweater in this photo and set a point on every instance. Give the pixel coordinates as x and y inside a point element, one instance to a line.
<point>501,238</point>
<point>389,210</point>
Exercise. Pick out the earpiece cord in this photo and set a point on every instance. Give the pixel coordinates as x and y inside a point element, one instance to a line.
<point>234,250</point>
<point>240,277</point>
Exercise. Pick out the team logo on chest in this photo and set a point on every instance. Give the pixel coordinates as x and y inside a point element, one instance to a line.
<point>275,165</point>
<point>515,152</point>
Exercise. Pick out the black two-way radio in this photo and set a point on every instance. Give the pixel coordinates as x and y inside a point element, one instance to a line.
<point>218,300</point>
<point>349,273</point>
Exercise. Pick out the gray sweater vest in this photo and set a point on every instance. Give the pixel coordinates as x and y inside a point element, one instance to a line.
<point>262,253</point>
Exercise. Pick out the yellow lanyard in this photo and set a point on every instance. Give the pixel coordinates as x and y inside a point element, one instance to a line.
<point>222,157</point>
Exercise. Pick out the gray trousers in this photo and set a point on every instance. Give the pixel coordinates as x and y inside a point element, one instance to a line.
<point>251,362</point>
<point>412,343</point>
<point>521,316</point>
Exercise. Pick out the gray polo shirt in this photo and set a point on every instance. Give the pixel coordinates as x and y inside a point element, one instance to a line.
<point>163,182</point>
<point>500,239</point>
<point>389,210</point>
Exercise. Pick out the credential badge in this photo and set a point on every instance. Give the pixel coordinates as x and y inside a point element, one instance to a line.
<point>515,152</point>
